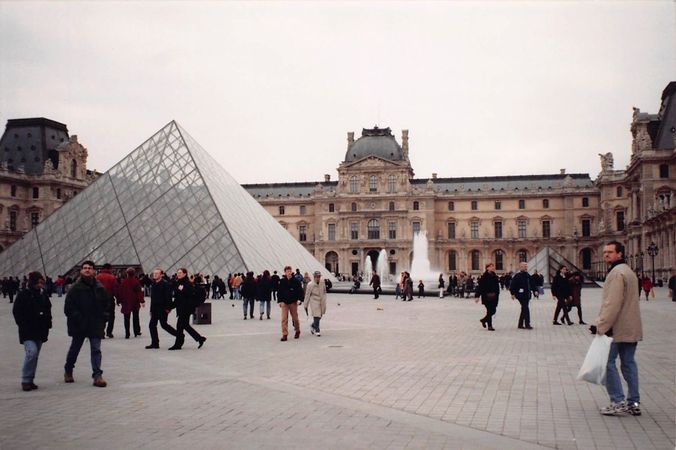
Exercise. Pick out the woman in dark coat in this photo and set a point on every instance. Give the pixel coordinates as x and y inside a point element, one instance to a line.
<point>33,314</point>
<point>130,295</point>
<point>562,293</point>
<point>488,289</point>
<point>264,292</point>
<point>248,289</point>
<point>576,294</point>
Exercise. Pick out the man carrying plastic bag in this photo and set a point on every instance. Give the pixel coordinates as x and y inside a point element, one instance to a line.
<point>620,318</point>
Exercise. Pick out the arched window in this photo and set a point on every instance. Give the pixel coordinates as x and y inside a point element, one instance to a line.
<point>499,260</point>
<point>391,184</point>
<point>73,168</point>
<point>452,260</point>
<point>373,183</point>
<point>373,229</point>
<point>586,256</point>
<point>475,257</point>
<point>354,188</point>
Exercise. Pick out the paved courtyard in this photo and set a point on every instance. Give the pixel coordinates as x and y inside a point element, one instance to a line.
<point>384,374</point>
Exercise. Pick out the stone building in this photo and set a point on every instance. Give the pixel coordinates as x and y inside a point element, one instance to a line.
<point>41,168</point>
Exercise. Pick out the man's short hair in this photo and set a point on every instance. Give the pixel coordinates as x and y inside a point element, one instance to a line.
<point>88,263</point>
<point>107,266</point>
<point>488,265</point>
<point>287,268</point>
<point>619,248</point>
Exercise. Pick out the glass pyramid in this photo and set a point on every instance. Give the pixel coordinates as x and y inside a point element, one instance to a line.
<point>167,204</point>
<point>547,261</point>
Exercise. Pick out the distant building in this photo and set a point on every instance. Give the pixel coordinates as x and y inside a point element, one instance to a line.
<point>41,168</point>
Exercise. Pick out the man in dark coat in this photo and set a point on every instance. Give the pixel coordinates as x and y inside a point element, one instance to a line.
<point>375,282</point>
<point>519,287</point>
<point>289,296</point>
<point>160,305</point>
<point>488,288</point>
<point>33,314</point>
<point>86,312</point>
<point>184,300</point>
<point>562,293</point>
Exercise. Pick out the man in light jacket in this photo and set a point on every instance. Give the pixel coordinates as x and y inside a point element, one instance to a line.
<point>620,318</point>
<point>315,300</point>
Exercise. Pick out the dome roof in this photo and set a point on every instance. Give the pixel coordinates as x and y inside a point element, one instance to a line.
<point>375,142</point>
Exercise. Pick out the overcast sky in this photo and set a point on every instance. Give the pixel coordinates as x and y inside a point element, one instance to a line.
<point>271,89</point>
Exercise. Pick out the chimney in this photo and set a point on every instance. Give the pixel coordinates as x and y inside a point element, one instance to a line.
<point>563,171</point>
<point>327,177</point>
<point>404,142</point>
<point>350,139</point>
<point>434,175</point>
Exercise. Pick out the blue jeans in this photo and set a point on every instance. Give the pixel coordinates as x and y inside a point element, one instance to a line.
<point>315,323</point>
<point>30,362</point>
<point>263,304</point>
<point>74,351</point>
<point>626,351</point>
<point>250,302</point>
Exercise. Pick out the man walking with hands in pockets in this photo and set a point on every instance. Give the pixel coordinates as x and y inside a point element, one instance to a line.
<point>289,296</point>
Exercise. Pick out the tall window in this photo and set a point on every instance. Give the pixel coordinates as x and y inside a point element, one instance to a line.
<point>373,183</point>
<point>498,230</point>
<point>522,204</point>
<point>391,184</point>
<point>619,218</point>
<point>586,259</point>
<point>416,228</point>
<point>474,229</point>
<point>546,229</point>
<point>586,227</point>
<point>619,192</point>
<point>545,203</point>
<point>664,170</point>
<point>416,206</point>
<point>451,206</point>
<point>475,257</point>
<point>373,229</point>
<point>58,193</point>
<point>522,255</point>
<point>332,207</point>
<point>354,188</point>
<point>281,210</point>
<point>499,260</point>
<point>452,260</point>
<point>332,232</point>
<point>12,220</point>
<point>391,206</point>
<point>302,236</point>
<point>73,168</point>
<point>36,192</point>
<point>392,230</point>
<point>13,190</point>
<point>585,202</point>
<point>353,207</point>
<point>354,231</point>
<point>451,230</point>
<point>498,204</point>
<point>522,226</point>
<point>302,210</point>
<point>475,205</point>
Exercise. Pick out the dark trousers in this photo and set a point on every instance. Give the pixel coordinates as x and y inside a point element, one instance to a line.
<point>160,317</point>
<point>579,311</point>
<point>111,319</point>
<point>561,306</point>
<point>137,323</point>
<point>74,351</point>
<point>524,317</point>
<point>376,291</point>
<point>183,324</point>
<point>315,323</point>
<point>491,307</point>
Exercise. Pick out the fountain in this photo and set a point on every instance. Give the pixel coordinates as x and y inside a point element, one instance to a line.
<point>381,267</point>
<point>368,268</point>
<point>420,266</point>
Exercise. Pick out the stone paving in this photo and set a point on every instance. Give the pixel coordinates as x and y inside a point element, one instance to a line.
<point>384,374</point>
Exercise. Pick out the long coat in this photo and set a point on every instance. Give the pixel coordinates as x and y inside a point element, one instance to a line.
<point>85,308</point>
<point>184,294</point>
<point>489,284</point>
<point>33,314</point>
<point>619,309</point>
<point>315,299</point>
<point>130,294</point>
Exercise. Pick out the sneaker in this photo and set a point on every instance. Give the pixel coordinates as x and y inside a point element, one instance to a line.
<point>99,382</point>
<point>68,378</point>
<point>319,334</point>
<point>615,409</point>
<point>633,407</point>
<point>312,330</point>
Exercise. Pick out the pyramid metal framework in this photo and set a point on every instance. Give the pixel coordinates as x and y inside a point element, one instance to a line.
<point>167,204</point>
<point>547,261</point>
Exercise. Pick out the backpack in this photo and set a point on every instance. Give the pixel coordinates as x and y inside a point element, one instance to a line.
<point>199,295</point>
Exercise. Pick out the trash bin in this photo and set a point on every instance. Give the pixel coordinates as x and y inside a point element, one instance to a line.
<point>202,314</point>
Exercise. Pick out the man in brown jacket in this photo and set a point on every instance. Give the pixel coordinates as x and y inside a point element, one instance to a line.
<point>620,318</point>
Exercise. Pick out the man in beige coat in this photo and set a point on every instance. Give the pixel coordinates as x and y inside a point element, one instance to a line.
<point>315,301</point>
<point>620,318</point>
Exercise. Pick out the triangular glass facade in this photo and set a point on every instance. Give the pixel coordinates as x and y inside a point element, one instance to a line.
<point>167,204</point>
<point>547,261</point>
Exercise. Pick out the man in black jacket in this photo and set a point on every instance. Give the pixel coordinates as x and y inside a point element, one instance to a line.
<point>184,300</point>
<point>289,296</point>
<point>86,312</point>
<point>160,305</point>
<point>520,288</point>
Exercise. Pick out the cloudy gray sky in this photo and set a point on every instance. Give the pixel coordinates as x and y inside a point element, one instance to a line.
<point>270,89</point>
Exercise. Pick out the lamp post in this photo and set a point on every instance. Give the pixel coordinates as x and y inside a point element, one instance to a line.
<point>653,250</point>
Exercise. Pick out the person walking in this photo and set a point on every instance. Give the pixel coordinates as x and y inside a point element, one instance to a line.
<point>488,288</point>
<point>275,284</point>
<point>130,296</point>
<point>108,280</point>
<point>289,296</point>
<point>248,290</point>
<point>562,294</point>
<point>264,293</point>
<point>408,287</point>
<point>421,289</point>
<point>85,309</point>
<point>184,300</point>
<point>536,283</point>
<point>160,305</point>
<point>647,286</point>
<point>672,285</point>
<point>442,285</point>
<point>315,301</point>
<point>620,317</point>
<point>575,281</point>
<point>519,287</point>
<point>375,282</point>
<point>33,315</point>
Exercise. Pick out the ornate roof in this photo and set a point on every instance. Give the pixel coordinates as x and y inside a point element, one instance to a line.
<point>375,142</point>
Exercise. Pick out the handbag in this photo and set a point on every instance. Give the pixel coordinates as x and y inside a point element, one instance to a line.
<point>593,368</point>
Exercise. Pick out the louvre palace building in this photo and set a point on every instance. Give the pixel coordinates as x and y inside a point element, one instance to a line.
<point>377,203</point>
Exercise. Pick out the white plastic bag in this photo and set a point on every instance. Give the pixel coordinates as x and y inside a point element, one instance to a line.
<point>593,368</point>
